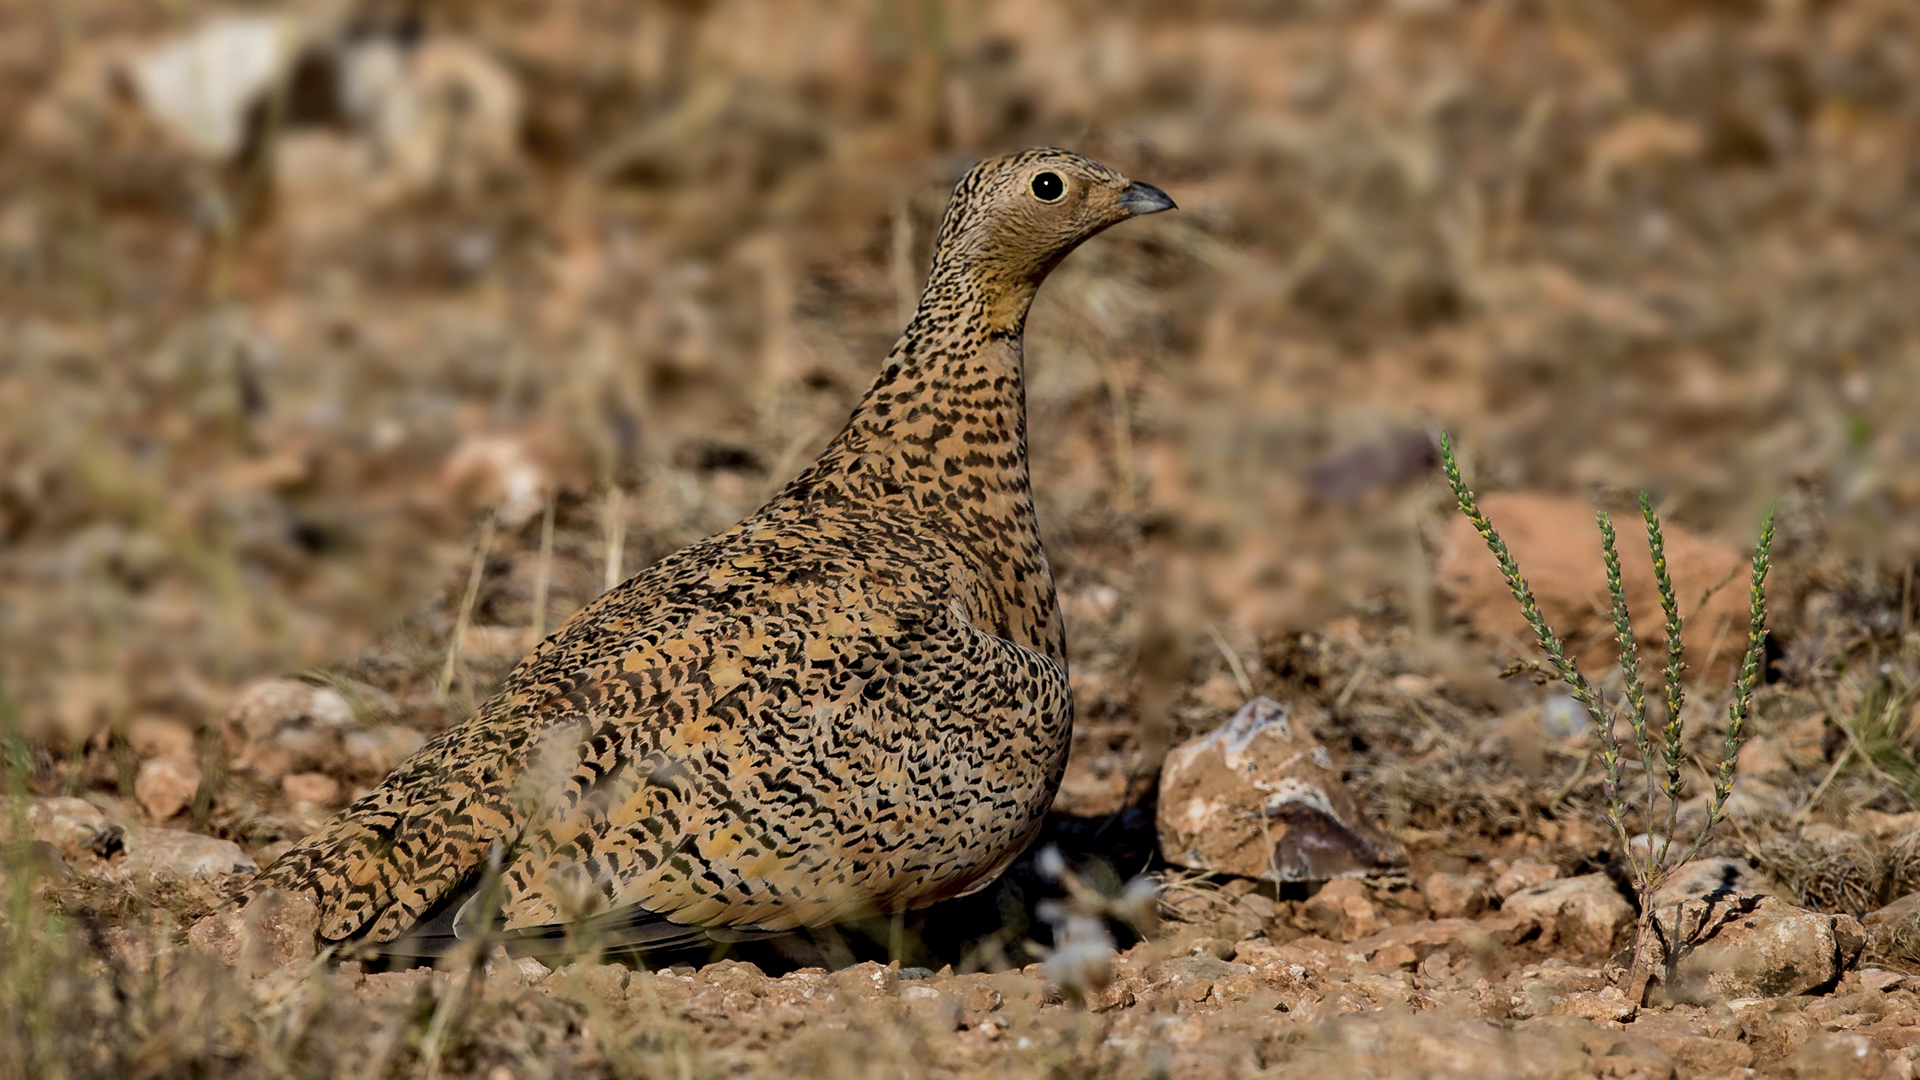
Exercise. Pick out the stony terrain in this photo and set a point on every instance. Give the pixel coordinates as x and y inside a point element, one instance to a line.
<point>331,381</point>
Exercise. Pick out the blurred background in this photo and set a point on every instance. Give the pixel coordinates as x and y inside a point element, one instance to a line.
<point>364,342</point>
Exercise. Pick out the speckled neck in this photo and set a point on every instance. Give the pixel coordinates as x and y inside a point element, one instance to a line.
<point>941,435</point>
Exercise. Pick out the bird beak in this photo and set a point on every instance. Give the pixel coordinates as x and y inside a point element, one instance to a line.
<point>1144,199</point>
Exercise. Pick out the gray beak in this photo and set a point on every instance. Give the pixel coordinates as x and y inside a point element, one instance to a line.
<point>1145,199</point>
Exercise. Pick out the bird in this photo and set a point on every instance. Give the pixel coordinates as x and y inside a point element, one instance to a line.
<point>854,702</point>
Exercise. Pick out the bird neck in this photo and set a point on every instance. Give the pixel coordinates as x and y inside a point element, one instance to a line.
<point>941,438</point>
<point>950,406</point>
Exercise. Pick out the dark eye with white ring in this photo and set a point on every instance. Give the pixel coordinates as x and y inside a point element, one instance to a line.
<point>1048,187</point>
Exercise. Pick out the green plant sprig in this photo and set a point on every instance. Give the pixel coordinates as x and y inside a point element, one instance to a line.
<point>1672,739</point>
<point>1650,872</point>
<point>1635,691</point>
<point>1549,642</point>
<point>1742,704</point>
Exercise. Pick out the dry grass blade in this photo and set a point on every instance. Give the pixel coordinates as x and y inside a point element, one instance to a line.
<point>465,619</point>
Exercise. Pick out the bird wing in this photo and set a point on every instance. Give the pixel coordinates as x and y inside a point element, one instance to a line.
<point>396,851</point>
<point>809,753</point>
<point>819,767</point>
<point>418,841</point>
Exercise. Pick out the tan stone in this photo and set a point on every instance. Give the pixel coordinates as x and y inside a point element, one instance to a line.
<point>1259,797</point>
<point>1343,910</point>
<point>284,726</point>
<point>158,737</point>
<point>1454,896</point>
<point>173,854</point>
<point>70,825</point>
<point>1701,1043</point>
<point>166,786</point>
<point>1753,948</point>
<point>1893,932</point>
<point>1523,875</point>
<point>1713,877</point>
<point>1584,915</point>
<point>1606,1006</point>
<point>1840,1056</point>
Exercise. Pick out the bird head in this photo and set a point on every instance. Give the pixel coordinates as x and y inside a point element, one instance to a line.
<point>1013,218</point>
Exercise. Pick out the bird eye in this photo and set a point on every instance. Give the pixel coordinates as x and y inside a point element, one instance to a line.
<point>1048,187</point>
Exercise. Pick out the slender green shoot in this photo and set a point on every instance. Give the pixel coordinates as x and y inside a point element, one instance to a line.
<point>1661,752</point>
<point>1549,642</point>
<point>1676,690</point>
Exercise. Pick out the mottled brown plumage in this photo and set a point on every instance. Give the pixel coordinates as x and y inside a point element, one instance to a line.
<point>853,702</point>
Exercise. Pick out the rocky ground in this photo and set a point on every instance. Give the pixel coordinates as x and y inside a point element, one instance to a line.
<point>343,353</point>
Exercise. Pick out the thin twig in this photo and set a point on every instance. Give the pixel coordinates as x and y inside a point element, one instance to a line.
<point>458,643</point>
<point>1234,665</point>
<point>543,573</point>
<point>616,530</point>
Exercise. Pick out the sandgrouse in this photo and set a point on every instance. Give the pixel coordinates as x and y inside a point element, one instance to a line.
<point>853,702</point>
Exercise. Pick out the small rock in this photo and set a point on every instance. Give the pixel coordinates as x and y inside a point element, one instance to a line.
<point>1410,944</point>
<point>1840,1056</point>
<point>310,789</point>
<point>1893,932</point>
<point>1877,981</point>
<point>940,1010</point>
<point>441,113</point>
<point>1888,828</point>
<point>1179,984</point>
<point>1786,752</point>
<point>1753,802</point>
<point>1343,910</point>
<point>1634,1059</point>
<point>284,726</point>
<point>982,998</point>
<point>1775,1028</point>
<point>376,752</point>
<point>171,854</point>
<point>1360,471</point>
<point>38,860</point>
<point>1523,875</point>
<point>1701,1045</point>
<point>166,786</point>
<point>1260,798</point>
<point>1455,896</point>
<point>1585,914</point>
<point>71,825</point>
<point>1541,991</point>
<point>275,931</point>
<point>1753,948</point>
<point>1607,1005</point>
<point>498,472</point>
<point>202,85</point>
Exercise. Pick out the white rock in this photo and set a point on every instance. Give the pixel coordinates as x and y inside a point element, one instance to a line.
<point>173,854</point>
<point>203,84</point>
